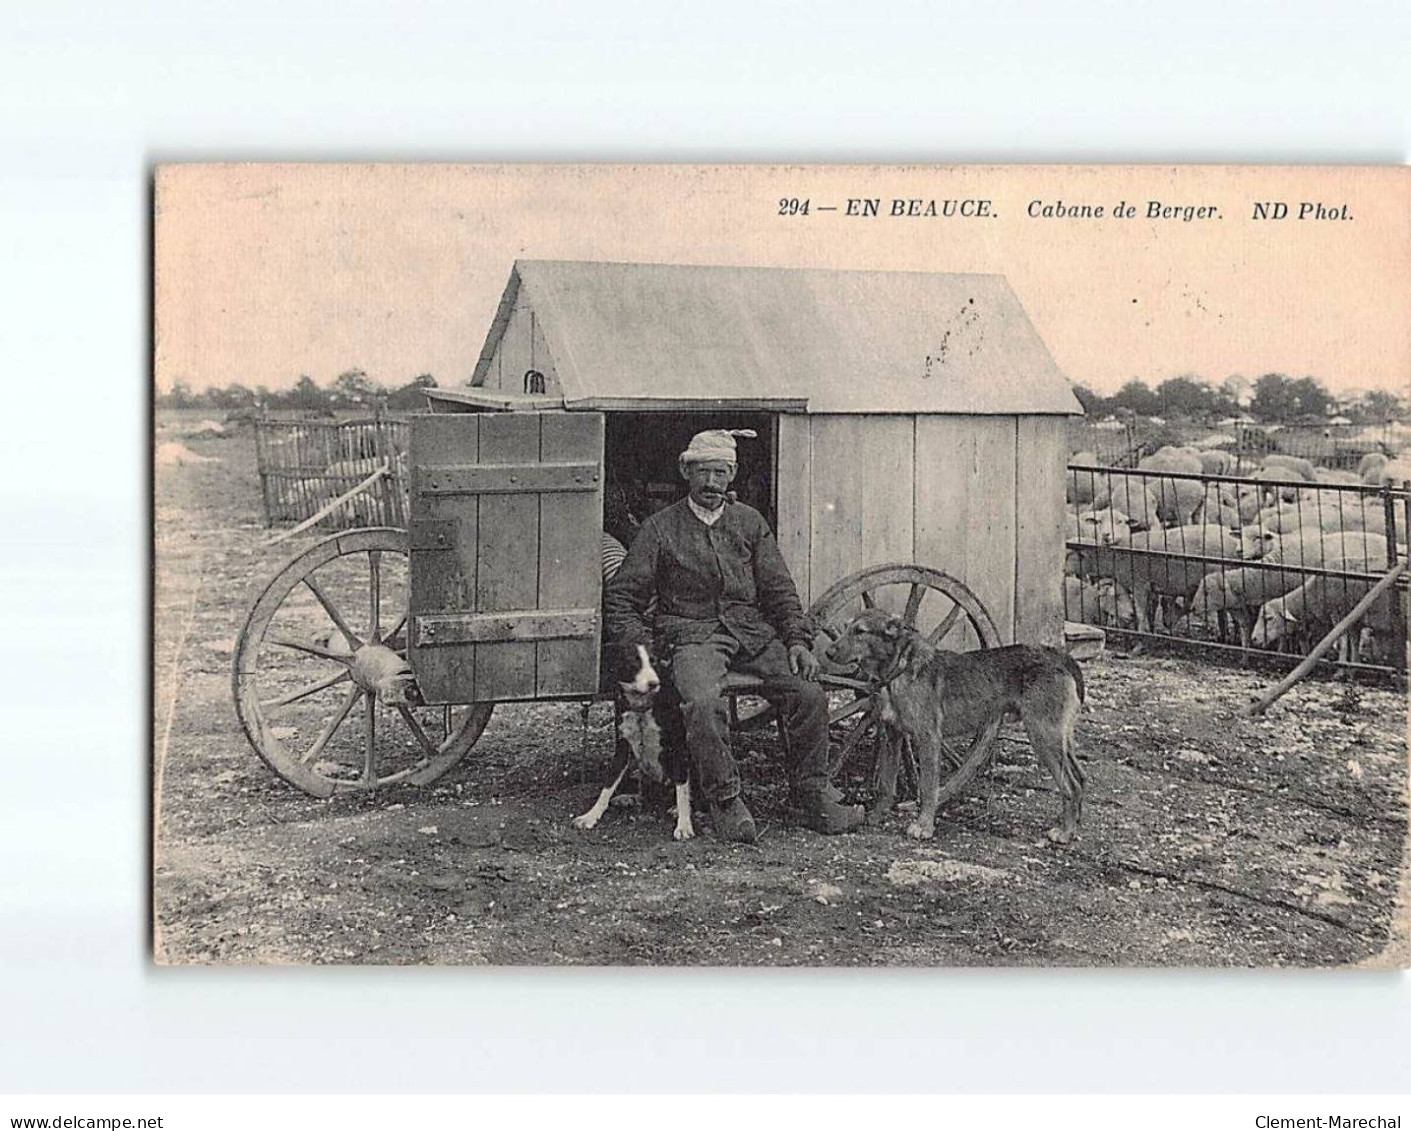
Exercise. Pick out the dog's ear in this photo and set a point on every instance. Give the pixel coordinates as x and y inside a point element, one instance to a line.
<point>891,628</point>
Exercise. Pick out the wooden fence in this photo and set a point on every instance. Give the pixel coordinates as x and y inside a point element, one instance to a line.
<point>306,464</point>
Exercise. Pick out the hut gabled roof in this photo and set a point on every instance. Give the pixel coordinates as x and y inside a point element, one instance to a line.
<point>846,341</point>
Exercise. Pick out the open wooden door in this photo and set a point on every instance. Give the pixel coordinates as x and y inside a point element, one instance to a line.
<point>506,567</point>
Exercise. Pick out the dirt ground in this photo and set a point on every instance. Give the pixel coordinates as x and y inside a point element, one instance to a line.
<point>1207,839</point>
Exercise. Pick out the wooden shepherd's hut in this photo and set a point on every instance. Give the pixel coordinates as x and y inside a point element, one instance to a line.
<point>903,417</point>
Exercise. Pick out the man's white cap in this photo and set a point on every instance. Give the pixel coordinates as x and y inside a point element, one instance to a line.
<point>717,443</point>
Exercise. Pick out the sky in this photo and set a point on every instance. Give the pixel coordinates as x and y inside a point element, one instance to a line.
<point>266,272</point>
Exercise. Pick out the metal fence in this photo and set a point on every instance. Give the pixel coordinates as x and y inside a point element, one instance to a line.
<point>1326,445</point>
<point>306,464</point>
<point>1253,566</point>
<point>1113,442</point>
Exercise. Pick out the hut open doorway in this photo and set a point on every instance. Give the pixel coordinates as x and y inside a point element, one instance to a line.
<point>640,456</point>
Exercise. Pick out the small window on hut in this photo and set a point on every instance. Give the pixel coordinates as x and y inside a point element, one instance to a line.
<point>642,449</point>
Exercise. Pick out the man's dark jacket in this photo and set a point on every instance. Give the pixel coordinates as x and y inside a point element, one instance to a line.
<point>705,578</point>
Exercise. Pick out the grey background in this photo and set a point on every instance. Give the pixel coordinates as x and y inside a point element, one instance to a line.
<point>92,94</point>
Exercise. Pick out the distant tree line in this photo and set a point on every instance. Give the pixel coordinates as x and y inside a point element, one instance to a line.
<point>351,389</point>
<point>1271,399</point>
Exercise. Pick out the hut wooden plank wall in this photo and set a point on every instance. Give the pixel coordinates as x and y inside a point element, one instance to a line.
<point>921,417</point>
<point>942,491</point>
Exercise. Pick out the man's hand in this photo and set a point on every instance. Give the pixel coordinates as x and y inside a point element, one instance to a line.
<point>802,661</point>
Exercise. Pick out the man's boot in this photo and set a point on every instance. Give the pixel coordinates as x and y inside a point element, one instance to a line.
<point>825,815</point>
<point>733,822</point>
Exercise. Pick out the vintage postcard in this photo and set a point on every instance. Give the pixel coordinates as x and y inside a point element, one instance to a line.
<point>781,565</point>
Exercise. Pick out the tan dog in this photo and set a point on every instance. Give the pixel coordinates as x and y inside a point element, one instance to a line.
<point>927,694</point>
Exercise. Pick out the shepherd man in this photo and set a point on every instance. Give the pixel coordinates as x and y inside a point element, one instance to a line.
<point>725,603</point>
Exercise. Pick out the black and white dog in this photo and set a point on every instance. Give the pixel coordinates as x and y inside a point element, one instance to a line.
<point>651,736</point>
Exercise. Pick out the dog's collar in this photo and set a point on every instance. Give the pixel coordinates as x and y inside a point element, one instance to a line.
<point>900,659</point>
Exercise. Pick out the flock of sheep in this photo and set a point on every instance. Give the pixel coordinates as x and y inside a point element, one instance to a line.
<point>1179,546</point>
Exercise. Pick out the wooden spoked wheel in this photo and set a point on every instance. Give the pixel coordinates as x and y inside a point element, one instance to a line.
<point>949,616</point>
<point>321,681</point>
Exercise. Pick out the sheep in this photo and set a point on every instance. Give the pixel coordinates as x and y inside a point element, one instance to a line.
<point>1157,578</point>
<point>1353,514</point>
<point>1281,519</point>
<point>1338,476</point>
<point>1152,501</point>
<point>1242,496</point>
<point>1240,593</point>
<point>1216,462</point>
<point>1320,549</point>
<point>1216,513</point>
<point>1370,467</point>
<point>1285,490</point>
<point>353,469</point>
<point>1302,467</point>
<point>1102,602</point>
<point>1356,549</point>
<point>1255,541</point>
<point>1179,460</point>
<point>366,465</point>
<point>1109,525</point>
<point>1218,506</point>
<point>1133,497</point>
<point>1096,527</point>
<point>342,476</point>
<point>1101,527</point>
<point>1207,539</point>
<point>1395,472</point>
<point>1248,502</point>
<point>1315,607</point>
<point>1118,608</point>
<point>1177,500</point>
<point>1087,486</point>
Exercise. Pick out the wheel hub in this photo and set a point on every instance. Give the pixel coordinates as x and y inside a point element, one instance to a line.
<point>378,669</point>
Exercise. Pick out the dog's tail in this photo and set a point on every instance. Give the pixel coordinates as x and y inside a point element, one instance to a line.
<point>1071,665</point>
